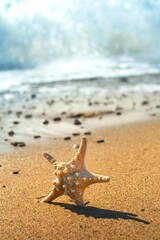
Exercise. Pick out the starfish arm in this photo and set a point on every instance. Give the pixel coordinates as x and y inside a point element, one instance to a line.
<point>80,156</point>
<point>49,157</point>
<point>95,179</point>
<point>52,195</point>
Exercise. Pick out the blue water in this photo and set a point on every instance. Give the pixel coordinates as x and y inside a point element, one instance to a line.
<point>52,40</point>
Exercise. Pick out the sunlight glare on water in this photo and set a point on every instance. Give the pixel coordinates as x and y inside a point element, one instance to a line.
<point>76,39</point>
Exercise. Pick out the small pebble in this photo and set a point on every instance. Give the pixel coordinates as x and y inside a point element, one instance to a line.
<point>16,172</point>
<point>16,122</point>
<point>77,122</point>
<point>37,136</point>
<point>22,144</point>
<point>145,102</point>
<point>153,114</point>
<point>0,165</point>
<point>28,116</point>
<point>87,133</point>
<point>56,119</point>
<point>118,113</point>
<point>100,141</point>
<point>119,108</point>
<point>19,144</point>
<point>4,186</point>
<point>89,103</point>
<point>15,144</point>
<point>11,133</point>
<point>75,134</point>
<point>45,122</point>
<point>63,113</point>
<point>67,138</point>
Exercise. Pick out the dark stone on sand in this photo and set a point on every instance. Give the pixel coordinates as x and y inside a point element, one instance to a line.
<point>6,139</point>
<point>142,209</point>
<point>153,114</point>
<point>45,122</point>
<point>18,144</point>
<point>4,186</point>
<point>77,122</point>
<point>0,165</point>
<point>28,116</point>
<point>158,106</point>
<point>87,133</point>
<point>89,103</point>
<point>57,119</point>
<point>16,172</point>
<point>145,102</point>
<point>16,122</point>
<point>37,136</point>
<point>100,141</point>
<point>9,111</point>
<point>21,144</point>
<point>67,138</point>
<point>75,134</point>
<point>63,113</point>
<point>11,133</point>
<point>118,108</point>
<point>118,113</point>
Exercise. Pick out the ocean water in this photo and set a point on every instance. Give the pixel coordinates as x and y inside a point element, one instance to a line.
<point>48,45</point>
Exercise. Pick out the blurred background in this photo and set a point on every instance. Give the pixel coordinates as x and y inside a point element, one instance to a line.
<point>34,32</point>
<point>58,57</point>
<point>52,40</point>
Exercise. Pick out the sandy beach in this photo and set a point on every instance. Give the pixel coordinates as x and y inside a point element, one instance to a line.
<point>127,207</point>
<point>74,73</point>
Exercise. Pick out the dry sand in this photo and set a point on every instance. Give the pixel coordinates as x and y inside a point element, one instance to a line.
<point>128,207</point>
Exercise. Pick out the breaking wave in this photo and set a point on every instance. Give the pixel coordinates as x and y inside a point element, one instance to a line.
<point>33,33</point>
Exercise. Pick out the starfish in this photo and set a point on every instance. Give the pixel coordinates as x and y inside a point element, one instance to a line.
<point>72,177</point>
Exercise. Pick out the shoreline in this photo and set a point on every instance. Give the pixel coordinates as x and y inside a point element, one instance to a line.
<point>46,112</point>
<point>127,207</point>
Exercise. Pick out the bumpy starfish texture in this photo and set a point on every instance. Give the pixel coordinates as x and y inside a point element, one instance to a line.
<point>72,177</point>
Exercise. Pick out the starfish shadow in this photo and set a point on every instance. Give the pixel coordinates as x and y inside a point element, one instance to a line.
<point>100,212</point>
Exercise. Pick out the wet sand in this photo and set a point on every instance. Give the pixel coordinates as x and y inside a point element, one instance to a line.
<point>40,117</point>
<point>128,207</point>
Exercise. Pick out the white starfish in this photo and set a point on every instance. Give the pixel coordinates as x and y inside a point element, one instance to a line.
<point>72,177</point>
